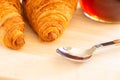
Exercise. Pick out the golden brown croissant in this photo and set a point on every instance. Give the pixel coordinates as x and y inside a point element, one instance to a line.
<point>49,18</point>
<point>11,24</point>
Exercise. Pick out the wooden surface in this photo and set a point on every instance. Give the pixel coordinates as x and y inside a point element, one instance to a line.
<point>38,60</point>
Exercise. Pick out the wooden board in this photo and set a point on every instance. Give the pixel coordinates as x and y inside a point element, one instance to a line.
<point>38,60</point>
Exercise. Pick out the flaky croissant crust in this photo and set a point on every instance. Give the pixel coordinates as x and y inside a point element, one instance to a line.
<point>49,18</point>
<point>11,24</point>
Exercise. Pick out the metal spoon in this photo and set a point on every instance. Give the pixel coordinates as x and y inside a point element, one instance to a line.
<point>75,54</point>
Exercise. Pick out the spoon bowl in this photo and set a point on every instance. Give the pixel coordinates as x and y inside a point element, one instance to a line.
<point>68,53</point>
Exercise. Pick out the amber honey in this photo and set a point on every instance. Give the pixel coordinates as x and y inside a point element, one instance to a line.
<point>103,10</point>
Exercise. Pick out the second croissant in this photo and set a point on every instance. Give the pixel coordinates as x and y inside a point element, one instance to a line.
<point>49,18</point>
<point>11,24</point>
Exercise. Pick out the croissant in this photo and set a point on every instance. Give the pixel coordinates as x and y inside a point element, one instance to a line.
<point>11,24</point>
<point>49,18</point>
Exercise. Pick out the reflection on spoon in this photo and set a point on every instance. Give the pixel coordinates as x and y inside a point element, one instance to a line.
<point>82,56</point>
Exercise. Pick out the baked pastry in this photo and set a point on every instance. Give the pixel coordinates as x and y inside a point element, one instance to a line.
<point>11,24</point>
<point>49,18</point>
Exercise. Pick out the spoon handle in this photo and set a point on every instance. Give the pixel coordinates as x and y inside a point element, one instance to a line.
<point>117,41</point>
